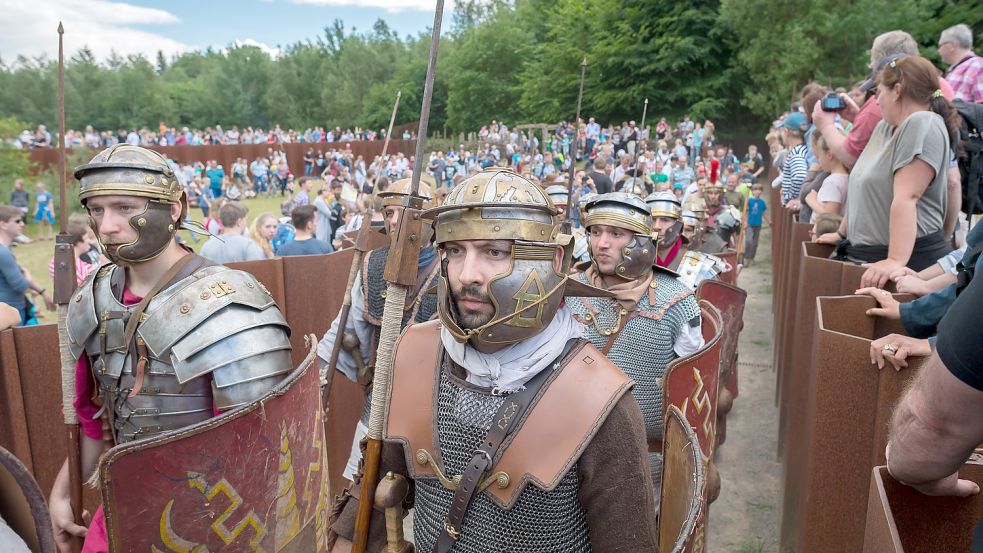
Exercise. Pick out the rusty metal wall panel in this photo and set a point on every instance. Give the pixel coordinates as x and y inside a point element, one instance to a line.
<point>225,154</point>
<point>13,431</point>
<point>848,401</point>
<point>820,276</point>
<point>270,273</point>
<point>315,290</point>
<point>798,233</point>
<point>900,519</point>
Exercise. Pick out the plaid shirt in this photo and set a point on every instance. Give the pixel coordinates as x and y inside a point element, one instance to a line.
<point>966,78</point>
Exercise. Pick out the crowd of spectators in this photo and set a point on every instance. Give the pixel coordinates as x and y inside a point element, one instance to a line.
<point>880,170</point>
<point>166,135</point>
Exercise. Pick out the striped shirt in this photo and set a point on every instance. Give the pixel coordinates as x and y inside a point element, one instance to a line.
<point>794,172</point>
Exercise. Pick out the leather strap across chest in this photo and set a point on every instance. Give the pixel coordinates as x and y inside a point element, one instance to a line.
<point>512,410</point>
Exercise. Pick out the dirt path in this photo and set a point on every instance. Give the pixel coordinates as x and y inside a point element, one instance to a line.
<point>745,518</point>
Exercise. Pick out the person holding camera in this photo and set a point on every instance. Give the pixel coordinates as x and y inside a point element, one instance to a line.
<point>897,189</point>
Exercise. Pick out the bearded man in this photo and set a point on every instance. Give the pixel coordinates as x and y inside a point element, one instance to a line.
<point>505,447</point>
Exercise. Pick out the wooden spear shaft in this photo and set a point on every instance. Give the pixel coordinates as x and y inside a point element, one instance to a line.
<point>400,273</point>
<point>64,286</point>
<point>361,247</point>
<point>576,139</point>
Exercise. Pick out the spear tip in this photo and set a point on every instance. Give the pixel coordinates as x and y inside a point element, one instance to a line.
<point>61,28</point>
<point>584,62</point>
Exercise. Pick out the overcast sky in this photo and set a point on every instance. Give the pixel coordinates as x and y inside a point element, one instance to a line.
<point>145,26</point>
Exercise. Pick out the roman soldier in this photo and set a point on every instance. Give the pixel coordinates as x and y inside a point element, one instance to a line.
<point>489,416</point>
<point>164,338</point>
<point>356,360</point>
<point>692,267</point>
<point>694,229</point>
<point>560,195</point>
<point>652,318</point>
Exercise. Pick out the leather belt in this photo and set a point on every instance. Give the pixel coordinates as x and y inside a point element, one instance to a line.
<point>511,411</point>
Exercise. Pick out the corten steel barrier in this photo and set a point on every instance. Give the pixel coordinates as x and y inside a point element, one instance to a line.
<point>902,520</point>
<point>782,281</point>
<point>226,154</point>
<point>31,426</point>
<point>23,506</point>
<point>797,234</point>
<point>820,276</point>
<point>683,487</point>
<point>847,406</point>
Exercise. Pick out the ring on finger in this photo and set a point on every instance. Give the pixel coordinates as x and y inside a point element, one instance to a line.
<point>890,348</point>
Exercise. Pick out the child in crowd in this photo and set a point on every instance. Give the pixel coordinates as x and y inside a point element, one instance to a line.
<point>825,224</point>
<point>831,196</point>
<point>44,212</point>
<point>756,215</point>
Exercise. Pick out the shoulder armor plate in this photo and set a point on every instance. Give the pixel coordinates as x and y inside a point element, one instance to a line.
<point>82,319</point>
<point>184,306</point>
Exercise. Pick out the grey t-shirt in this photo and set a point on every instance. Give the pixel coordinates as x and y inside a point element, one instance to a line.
<point>231,249</point>
<point>871,190</point>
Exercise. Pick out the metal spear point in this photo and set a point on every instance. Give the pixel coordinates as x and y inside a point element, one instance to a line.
<point>64,286</point>
<point>400,273</point>
<point>576,138</point>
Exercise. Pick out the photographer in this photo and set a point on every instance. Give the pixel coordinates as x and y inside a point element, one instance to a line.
<point>901,176</point>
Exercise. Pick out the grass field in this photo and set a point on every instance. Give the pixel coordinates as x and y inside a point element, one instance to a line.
<point>36,256</point>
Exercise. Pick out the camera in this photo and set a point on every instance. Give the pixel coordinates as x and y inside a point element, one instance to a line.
<point>833,102</point>
<point>584,179</point>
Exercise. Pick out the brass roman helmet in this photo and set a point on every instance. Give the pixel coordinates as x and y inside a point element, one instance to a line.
<point>393,197</point>
<point>627,211</point>
<point>498,204</point>
<point>124,170</point>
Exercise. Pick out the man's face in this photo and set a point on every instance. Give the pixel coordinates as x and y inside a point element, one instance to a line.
<point>111,215</point>
<point>13,227</point>
<point>392,216</point>
<point>689,231</point>
<point>605,244</point>
<point>947,51</point>
<point>661,224</point>
<point>471,264</point>
<point>712,197</point>
<point>732,182</point>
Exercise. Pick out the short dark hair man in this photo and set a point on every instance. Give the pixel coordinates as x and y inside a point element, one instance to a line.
<point>304,220</point>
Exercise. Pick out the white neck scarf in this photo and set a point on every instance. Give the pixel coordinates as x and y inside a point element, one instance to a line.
<point>508,369</point>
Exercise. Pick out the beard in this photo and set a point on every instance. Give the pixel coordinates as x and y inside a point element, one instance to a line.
<point>469,318</point>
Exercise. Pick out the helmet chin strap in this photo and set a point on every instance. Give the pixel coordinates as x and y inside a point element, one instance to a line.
<point>472,332</point>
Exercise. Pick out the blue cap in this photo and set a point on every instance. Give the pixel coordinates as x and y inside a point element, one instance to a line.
<point>795,121</point>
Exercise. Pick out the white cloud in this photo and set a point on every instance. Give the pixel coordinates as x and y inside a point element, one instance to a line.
<point>391,6</point>
<point>30,29</point>
<point>271,51</point>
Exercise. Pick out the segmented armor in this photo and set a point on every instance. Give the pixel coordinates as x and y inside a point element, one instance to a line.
<point>643,342</point>
<point>539,521</point>
<point>694,267</point>
<point>423,306</point>
<point>212,340</point>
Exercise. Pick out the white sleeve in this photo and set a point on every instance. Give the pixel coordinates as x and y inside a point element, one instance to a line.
<point>689,341</point>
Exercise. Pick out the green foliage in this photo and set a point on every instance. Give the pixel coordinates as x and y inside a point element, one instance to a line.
<point>738,61</point>
<point>14,163</point>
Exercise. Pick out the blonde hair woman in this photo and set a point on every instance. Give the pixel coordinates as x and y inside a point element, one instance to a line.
<point>263,230</point>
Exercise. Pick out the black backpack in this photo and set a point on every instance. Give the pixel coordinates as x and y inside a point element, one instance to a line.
<point>971,160</point>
